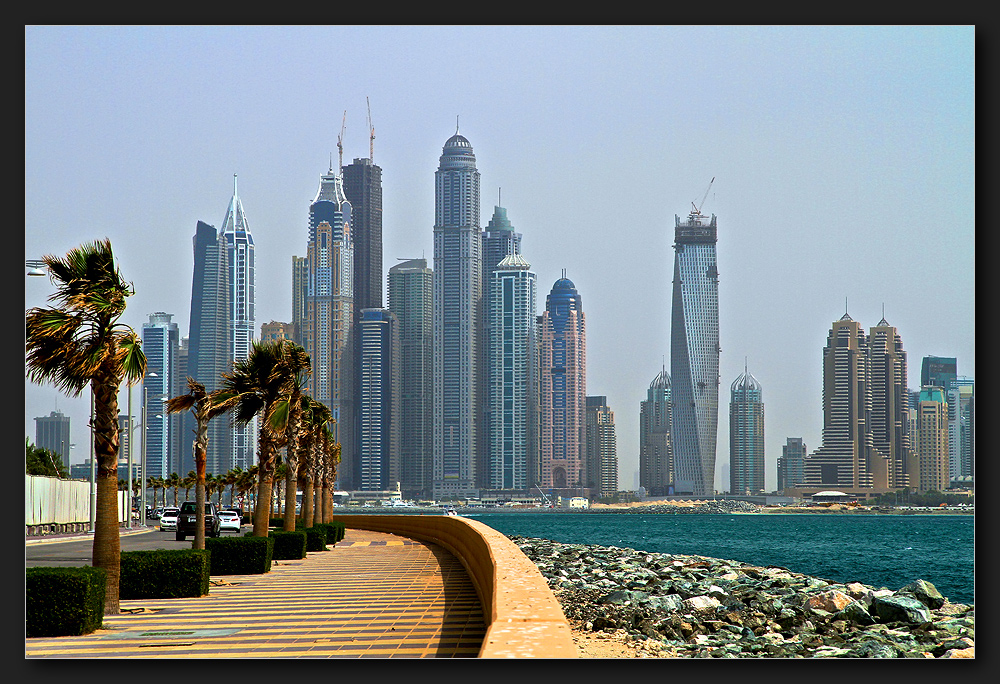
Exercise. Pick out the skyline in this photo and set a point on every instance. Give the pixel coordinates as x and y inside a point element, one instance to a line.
<point>843,158</point>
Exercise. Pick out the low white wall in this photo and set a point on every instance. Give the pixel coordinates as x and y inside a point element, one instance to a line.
<point>52,501</point>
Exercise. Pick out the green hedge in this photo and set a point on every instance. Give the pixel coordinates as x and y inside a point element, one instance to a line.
<point>247,555</point>
<point>334,531</point>
<point>63,601</point>
<point>315,538</point>
<point>164,574</point>
<point>289,545</point>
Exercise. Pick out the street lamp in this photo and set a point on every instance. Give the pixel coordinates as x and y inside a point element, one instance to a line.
<point>35,267</point>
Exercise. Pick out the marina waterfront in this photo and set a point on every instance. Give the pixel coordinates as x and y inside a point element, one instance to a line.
<point>879,550</point>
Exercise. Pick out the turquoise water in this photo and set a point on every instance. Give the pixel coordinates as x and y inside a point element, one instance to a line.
<point>878,550</point>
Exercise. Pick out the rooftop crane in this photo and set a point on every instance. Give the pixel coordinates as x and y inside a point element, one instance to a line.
<point>697,208</point>
<point>340,143</point>
<point>371,133</point>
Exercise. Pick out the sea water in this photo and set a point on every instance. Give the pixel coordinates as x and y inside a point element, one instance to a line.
<point>878,550</point>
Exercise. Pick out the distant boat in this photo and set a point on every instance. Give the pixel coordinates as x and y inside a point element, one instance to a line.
<point>451,511</point>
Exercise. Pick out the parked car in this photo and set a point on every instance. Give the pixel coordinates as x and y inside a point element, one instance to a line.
<point>187,519</point>
<point>157,512</point>
<point>168,519</point>
<point>229,520</point>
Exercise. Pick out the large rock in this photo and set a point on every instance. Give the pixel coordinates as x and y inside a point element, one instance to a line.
<point>702,603</point>
<point>831,601</point>
<point>856,612</point>
<point>900,609</point>
<point>925,592</point>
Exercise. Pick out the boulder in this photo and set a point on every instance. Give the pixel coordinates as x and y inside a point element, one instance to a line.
<point>855,612</point>
<point>831,601</point>
<point>702,603</point>
<point>900,609</point>
<point>925,592</point>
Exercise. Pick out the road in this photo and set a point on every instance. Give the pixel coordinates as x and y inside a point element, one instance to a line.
<point>73,553</point>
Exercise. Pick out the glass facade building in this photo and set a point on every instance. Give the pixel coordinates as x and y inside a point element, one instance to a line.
<point>746,436</point>
<point>511,381</point>
<point>694,354</point>
<point>562,391</point>
<point>656,461</point>
<point>458,386</point>
<point>379,403</point>
<point>161,344</point>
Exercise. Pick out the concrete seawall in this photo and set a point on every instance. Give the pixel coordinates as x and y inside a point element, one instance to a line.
<point>524,618</point>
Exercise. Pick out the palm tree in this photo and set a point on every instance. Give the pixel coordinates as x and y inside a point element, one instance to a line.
<point>287,417</point>
<point>256,384</point>
<point>81,342</point>
<point>204,406</point>
<point>330,463</point>
<point>315,417</point>
<point>189,481</point>
<point>173,482</point>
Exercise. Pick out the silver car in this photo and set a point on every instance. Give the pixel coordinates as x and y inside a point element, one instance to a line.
<point>168,521</point>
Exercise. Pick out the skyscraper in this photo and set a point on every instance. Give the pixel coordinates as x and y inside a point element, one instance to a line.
<point>242,326</point>
<point>932,439</point>
<point>457,321</point>
<point>562,391</point>
<point>328,329</point>
<point>411,293</point>
<point>656,462</point>
<point>746,436</point>
<point>600,448</point>
<point>363,189</point>
<point>161,344</point>
<point>938,371</point>
<point>847,457</point>
<point>511,381</point>
<point>209,346</point>
<point>791,463</point>
<point>889,418</point>
<point>379,404</point>
<point>694,354</point>
<point>300,290</point>
<point>52,433</point>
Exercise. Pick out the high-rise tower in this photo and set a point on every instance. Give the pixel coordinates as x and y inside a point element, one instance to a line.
<point>562,391</point>
<point>889,419</point>
<point>52,433</point>
<point>601,448</point>
<point>240,249</point>
<point>457,320</point>
<point>847,457</point>
<point>694,354</point>
<point>209,347</point>
<point>328,329</point>
<point>411,285</point>
<point>379,400</point>
<point>160,343</point>
<point>656,462</point>
<point>746,436</point>
<point>363,189</point>
<point>511,381</point>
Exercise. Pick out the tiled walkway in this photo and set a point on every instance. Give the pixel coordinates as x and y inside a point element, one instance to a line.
<point>372,595</point>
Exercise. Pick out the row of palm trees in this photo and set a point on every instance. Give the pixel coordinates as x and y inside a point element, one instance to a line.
<point>82,342</point>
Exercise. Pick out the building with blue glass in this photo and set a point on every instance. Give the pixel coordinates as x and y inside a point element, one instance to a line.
<point>694,354</point>
<point>746,436</point>
<point>562,390</point>
<point>458,291</point>
<point>161,345</point>
<point>511,381</point>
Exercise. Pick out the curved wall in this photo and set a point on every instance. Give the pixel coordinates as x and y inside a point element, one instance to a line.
<point>523,617</point>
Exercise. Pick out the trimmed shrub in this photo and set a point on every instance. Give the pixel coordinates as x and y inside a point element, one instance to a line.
<point>164,573</point>
<point>335,531</point>
<point>289,545</point>
<point>315,538</point>
<point>64,601</point>
<point>247,555</point>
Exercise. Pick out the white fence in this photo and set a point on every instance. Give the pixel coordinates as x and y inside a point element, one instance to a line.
<point>51,504</point>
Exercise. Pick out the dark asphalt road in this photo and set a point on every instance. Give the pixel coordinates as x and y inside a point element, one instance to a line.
<point>80,552</point>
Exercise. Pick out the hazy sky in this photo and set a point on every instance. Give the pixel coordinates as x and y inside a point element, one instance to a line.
<point>843,160</point>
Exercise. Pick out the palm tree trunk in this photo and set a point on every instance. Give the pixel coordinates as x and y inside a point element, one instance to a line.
<point>107,543</point>
<point>200,456</point>
<point>290,486</point>
<point>265,478</point>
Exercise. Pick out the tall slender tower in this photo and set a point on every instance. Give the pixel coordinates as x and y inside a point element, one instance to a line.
<point>932,440</point>
<point>240,249</point>
<point>209,346</point>
<point>601,448</point>
<point>411,286</point>
<point>161,344</point>
<point>52,433</point>
<point>847,457</point>
<point>363,189</point>
<point>328,329</point>
<point>562,391</point>
<point>890,421</point>
<point>379,404</point>
<point>457,320</point>
<point>656,456</point>
<point>511,373</point>
<point>746,436</point>
<point>694,354</point>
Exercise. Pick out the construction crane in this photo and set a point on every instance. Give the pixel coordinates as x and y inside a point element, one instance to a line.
<point>697,208</point>
<point>340,143</point>
<point>371,133</point>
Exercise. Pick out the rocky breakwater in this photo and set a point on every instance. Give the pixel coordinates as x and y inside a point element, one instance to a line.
<point>681,606</point>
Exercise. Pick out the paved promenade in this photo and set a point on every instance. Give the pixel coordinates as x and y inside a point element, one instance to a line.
<point>373,595</point>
